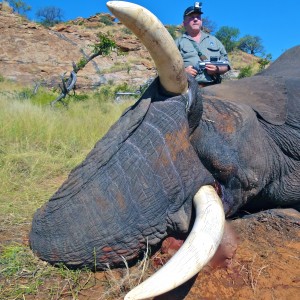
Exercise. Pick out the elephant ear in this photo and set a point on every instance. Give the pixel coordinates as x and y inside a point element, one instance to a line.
<point>266,95</point>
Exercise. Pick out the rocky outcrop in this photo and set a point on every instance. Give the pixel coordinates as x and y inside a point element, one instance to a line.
<point>31,53</point>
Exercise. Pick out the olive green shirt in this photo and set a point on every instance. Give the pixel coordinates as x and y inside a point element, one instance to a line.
<point>209,46</point>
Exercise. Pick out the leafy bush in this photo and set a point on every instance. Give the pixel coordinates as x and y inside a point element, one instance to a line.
<point>24,94</point>
<point>264,62</point>
<point>82,62</point>
<point>106,93</point>
<point>104,46</point>
<point>245,72</point>
<point>106,20</point>
<point>80,97</point>
<point>43,96</point>
<point>126,31</point>
<point>172,29</point>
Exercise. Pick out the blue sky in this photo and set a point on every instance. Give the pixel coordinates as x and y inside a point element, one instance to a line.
<point>276,22</point>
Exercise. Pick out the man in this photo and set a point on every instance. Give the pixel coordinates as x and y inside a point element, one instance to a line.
<point>197,46</point>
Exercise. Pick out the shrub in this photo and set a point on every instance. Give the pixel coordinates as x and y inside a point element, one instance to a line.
<point>80,97</point>
<point>245,72</point>
<point>126,31</point>
<point>172,29</point>
<point>264,62</point>
<point>106,20</point>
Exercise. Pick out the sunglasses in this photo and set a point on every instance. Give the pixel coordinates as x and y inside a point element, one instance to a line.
<point>193,17</point>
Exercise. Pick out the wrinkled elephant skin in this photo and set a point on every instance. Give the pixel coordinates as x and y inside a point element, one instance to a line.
<point>137,185</point>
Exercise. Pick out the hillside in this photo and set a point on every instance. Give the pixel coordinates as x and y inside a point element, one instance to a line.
<point>31,53</point>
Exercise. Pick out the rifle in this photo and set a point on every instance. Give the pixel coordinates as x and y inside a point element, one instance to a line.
<point>201,65</point>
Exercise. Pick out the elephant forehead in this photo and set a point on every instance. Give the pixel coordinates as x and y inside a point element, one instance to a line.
<point>266,95</point>
<point>223,115</point>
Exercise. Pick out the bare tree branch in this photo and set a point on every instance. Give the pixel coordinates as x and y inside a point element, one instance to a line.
<point>66,87</point>
<point>104,47</point>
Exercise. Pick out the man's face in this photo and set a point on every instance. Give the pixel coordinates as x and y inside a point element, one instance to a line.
<point>192,22</point>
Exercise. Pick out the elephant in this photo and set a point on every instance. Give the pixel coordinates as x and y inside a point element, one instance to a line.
<point>179,160</point>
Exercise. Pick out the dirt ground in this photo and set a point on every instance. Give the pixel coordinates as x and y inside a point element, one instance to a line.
<point>265,266</point>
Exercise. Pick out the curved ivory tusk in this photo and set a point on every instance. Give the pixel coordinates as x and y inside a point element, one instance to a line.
<point>196,252</point>
<point>158,42</point>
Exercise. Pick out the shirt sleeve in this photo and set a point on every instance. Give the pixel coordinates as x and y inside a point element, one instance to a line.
<point>177,42</point>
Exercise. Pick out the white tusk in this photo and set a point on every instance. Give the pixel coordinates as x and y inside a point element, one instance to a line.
<point>158,42</point>
<point>194,254</point>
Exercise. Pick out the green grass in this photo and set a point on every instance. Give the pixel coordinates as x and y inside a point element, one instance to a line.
<point>39,146</point>
<point>22,275</point>
<point>14,258</point>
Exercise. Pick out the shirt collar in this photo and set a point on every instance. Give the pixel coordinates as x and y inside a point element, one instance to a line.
<point>204,35</point>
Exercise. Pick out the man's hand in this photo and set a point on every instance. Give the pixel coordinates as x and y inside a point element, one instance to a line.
<point>214,70</point>
<point>190,70</point>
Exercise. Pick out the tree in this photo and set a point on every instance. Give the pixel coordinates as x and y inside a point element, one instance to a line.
<point>172,29</point>
<point>264,61</point>
<point>19,6</point>
<point>251,44</point>
<point>103,47</point>
<point>50,15</point>
<point>208,25</point>
<point>228,36</point>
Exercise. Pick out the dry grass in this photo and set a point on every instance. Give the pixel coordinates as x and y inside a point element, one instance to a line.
<point>23,275</point>
<point>120,282</point>
<point>39,146</point>
<point>241,60</point>
<point>251,273</point>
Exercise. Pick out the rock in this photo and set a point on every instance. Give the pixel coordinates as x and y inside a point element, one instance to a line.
<point>31,53</point>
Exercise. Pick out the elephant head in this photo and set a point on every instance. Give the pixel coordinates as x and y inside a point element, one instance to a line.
<point>166,152</point>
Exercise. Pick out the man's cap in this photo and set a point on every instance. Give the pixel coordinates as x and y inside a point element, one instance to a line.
<point>193,9</point>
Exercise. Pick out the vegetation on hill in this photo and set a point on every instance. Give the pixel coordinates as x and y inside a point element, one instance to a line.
<point>229,36</point>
